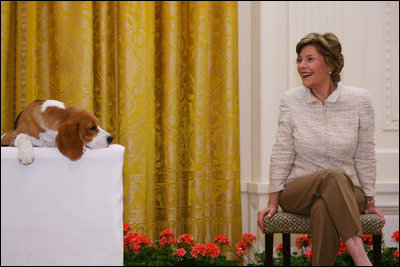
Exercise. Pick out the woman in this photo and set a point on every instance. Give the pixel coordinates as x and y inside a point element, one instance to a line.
<point>323,161</point>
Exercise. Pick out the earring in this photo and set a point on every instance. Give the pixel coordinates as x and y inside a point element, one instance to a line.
<point>330,72</point>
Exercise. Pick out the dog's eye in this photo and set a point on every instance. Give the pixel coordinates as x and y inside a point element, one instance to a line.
<point>93,128</point>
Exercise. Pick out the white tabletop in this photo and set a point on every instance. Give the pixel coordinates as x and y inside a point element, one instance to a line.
<point>61,212</point>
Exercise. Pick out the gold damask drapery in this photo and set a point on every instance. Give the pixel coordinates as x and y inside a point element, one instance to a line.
<point>162,77</point>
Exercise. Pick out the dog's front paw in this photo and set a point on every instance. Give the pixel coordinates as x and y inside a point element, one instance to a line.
<point>25,148</point>
<point>26,156</point>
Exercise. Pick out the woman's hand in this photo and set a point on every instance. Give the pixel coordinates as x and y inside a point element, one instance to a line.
<point>269,211</point>
<point>373,210</point>
<point>370,208</point>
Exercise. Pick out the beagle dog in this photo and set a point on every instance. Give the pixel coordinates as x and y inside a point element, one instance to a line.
<point>52,123</point>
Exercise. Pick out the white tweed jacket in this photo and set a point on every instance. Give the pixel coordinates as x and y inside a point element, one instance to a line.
<point>312,137</point>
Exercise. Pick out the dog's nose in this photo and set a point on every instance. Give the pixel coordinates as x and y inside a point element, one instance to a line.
<point>110,139</point>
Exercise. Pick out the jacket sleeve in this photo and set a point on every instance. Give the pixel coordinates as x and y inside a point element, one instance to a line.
<point>364,157</point>
<point>283,153</point>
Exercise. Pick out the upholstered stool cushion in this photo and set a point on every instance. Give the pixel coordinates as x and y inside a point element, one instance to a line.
<point>371,224</point>
<point>288,223</point>
<point>283,222</point>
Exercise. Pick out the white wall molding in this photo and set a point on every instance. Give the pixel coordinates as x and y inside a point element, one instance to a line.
<point>391,45</point>
<point>387,167</point>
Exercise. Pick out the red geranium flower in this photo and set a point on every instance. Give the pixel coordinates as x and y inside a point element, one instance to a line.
<point>241,247</point>
<point>127,227</point>
<point>186,238</point>
<point>180,252</point>
<point>222,239</point>
<point>134,241</point>
<point>308,252</point>
<point>212,249</point>
<point>367,239</point>
<point>395,236</point>
<point>198,249</point>
<point>303,241</point>
<point>249,238</point>
<point>239,251</point>
<point>167,232</point>
<point>167,240</point>
<point>279,248</point>
<point>342,249</point>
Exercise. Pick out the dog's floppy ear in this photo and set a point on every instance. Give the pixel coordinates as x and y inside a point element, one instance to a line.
<point>69,142</point>
<point>8,138</point>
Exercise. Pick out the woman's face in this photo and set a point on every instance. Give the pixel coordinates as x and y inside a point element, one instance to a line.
<point>311,66</point>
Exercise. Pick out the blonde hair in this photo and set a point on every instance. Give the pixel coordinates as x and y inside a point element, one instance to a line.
<point>329,47</point>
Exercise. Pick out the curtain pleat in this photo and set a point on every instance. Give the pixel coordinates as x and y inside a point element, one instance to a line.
<point>136,29</point>
<point>105,65</point>
<point>8,14</point>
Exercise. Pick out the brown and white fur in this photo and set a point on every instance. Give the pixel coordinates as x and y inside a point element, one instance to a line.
<point>52,123</point>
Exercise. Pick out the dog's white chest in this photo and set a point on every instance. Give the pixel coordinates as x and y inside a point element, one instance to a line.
<point>46,139</point>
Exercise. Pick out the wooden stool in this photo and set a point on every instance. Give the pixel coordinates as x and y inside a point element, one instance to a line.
<point>288,223</point>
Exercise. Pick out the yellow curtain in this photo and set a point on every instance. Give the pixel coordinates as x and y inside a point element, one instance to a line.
<point>162,77</point>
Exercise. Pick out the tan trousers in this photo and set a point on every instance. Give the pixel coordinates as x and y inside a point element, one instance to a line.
<point>334,205</point>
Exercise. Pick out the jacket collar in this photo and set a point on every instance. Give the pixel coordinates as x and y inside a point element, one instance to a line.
<point>332,98</point>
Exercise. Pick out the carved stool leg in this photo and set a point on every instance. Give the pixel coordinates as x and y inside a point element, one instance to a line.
<point>377,239</point>
<point>286,249</point>
<point>269,243</point>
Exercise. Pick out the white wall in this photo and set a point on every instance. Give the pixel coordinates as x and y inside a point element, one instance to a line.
<point>268,33</point>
